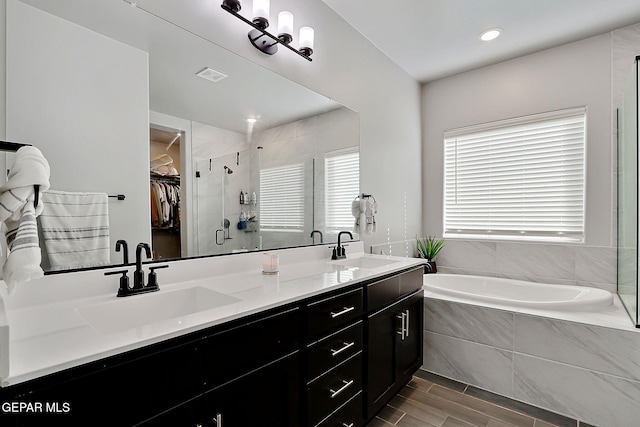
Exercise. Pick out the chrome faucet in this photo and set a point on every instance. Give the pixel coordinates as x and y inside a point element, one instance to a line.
<point>312,237</point>
<point>338,251</point>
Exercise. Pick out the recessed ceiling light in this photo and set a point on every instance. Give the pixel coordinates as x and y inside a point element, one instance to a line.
<point>211,74</point>
<point>252,120</point>
<point>490,34</point>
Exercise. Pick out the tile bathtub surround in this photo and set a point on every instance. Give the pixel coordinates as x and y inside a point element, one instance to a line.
<point>431,400</point>
<point>597,348</point>
<point>537,262</point>
<point>579,370</point>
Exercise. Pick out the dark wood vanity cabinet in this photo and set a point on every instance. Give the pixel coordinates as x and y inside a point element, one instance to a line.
<point>248,369</point>
<point>394,342</point>
<point>330,360</point>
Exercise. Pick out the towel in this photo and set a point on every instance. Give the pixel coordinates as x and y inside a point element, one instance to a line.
<point>371,208</point>
<point>75,228</point>
<point>363,209</point>
<point>18,213</point>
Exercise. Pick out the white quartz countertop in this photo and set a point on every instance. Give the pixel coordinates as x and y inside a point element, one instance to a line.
<point>51,336</point>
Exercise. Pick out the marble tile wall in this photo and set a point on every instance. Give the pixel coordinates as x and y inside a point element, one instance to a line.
<point>536,262</point>
<point>578,370</point>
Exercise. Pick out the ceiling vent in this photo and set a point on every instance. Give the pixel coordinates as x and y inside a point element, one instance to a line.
<point>211,74</point>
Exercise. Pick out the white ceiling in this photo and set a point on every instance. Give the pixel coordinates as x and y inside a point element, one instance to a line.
<point>431,39</point>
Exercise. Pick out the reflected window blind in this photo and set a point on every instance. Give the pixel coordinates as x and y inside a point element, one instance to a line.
<point>282,198</point>
<point>518,178</point>
<point>342,185</point>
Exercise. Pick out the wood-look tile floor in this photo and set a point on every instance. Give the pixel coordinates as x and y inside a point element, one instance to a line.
<point>432,401</point>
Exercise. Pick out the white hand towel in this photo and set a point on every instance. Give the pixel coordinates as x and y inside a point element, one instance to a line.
<point>75,228</point>
<point>355,211</point>
<point>18,213</point>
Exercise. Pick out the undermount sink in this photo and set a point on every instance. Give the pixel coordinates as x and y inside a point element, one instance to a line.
<point>364,262</point>
<point>140,310</point>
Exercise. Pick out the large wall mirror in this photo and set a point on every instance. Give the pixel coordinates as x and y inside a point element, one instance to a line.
<point>110,93</point>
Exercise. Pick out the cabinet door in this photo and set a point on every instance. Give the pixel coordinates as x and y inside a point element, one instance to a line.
<point>409,342</point>
<point>268,396</point>
<point>394,349</point>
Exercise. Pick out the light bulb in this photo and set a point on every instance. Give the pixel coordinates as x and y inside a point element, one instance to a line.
<point>261,13</point>
<point>306,40</point>
<point>285,26</point>
<point>490,34</point>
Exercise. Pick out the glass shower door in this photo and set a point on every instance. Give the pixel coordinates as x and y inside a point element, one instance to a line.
<point>628,121</point>
<point>210,226</point>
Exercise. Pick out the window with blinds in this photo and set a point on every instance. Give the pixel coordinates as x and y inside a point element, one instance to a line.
<point>342,186</point>
<point>519,178</point>
<point>282,198</point>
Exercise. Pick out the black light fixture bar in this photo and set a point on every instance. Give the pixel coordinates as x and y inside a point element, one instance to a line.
<point>264,32</point>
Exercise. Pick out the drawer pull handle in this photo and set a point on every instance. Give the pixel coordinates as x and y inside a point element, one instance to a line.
<point>345,310</point>
<point>346,385</point>
<point>346,345</point>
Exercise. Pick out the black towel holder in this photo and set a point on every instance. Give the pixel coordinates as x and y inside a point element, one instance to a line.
<point>13,147</point>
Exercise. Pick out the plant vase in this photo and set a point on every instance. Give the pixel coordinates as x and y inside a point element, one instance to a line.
<point>430,267</point>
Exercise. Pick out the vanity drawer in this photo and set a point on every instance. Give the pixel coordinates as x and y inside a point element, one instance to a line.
<point>334,389</point>
<point>235,349</point>
<point>388,290</point>
<point>349,415</point>
<point>330,313</point>
<point>334,349</point>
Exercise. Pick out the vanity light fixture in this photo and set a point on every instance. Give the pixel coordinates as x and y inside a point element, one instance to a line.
<point>265,41</point>
<point>490,34</point>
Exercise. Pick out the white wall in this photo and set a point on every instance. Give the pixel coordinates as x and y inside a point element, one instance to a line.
<point>576,74</point>
<point>572,75</point>
<point>113,115</point>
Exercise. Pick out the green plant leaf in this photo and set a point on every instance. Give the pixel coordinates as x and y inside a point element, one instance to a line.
<point>429,247</point>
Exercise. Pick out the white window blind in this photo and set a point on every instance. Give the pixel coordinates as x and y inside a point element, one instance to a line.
<point>282,198</point>
<point>517,178</point>
<point>342,186</point>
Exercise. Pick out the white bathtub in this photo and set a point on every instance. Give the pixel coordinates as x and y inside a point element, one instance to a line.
<point>518,293</point>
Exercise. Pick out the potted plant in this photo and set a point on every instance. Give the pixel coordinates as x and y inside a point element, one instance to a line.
<point>428,248</point>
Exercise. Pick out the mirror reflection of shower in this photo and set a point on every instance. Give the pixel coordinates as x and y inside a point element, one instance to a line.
<point>222,218</point>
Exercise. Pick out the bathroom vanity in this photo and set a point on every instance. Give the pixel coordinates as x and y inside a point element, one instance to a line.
<point>324,343</point>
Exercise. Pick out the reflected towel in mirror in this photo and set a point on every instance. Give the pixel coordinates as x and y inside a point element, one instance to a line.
<point>75,228</point>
